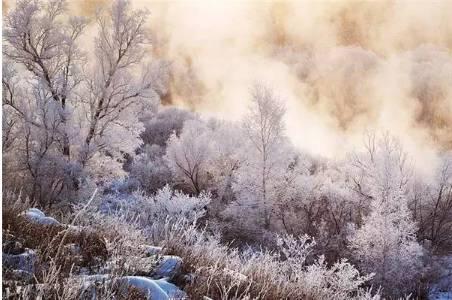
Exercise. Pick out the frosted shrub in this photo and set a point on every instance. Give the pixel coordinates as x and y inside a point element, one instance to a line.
<point>340,281</point>
<point>222,272</point>
<point>150,170</point>
<point>296,250</point>
<point>189,155</point>
<point>167,202</point>
<point>386,242</point>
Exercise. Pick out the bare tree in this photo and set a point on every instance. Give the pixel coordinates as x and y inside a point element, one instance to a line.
<point>386,242</point>
<point>432,207</point>
<point>37,38</point>
<point>264,127</point>
<point>263,163</point>
<point>112,90</point>
<point>189,154</point>
<point>368,172</point>
<point>60,108</point>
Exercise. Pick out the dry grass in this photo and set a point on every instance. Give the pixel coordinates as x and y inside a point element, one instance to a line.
<point>46,238</point>
<point>221,272</point>
<point>55,267</point>
<point>215,270</point>
<point>82,248</point>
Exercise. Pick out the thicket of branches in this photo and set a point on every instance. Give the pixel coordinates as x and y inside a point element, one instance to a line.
<point>73,121</point>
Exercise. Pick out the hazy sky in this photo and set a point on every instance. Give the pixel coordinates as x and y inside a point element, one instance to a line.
<point>341,67</point>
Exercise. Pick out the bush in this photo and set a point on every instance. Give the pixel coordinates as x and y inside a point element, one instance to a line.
<point>221,272</point>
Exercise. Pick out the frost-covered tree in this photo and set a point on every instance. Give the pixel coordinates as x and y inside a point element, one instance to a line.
<point>316,200</point>
<point>188,155</point>
<point>226,139</point>
<point>115,95</point>
<point>63,107</point>
<point>264,128</point>
<point>39,37</point>
<point>33,140</point>
<point>431,202</point>
<point>41,73</point>
<point>265,157</point>
<point>386,242</point>
<point>160,125</point>
<point>150,169</point>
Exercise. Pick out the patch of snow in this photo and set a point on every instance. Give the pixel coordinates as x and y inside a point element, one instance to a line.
<point>36,216</point>
<point>155,289</point>
<point>36,212</point>
<point>148,286</point>
<point>170,289</point>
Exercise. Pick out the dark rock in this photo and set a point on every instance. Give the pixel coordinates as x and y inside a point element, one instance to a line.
<point>24,261</point>
<point>169,266</point>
